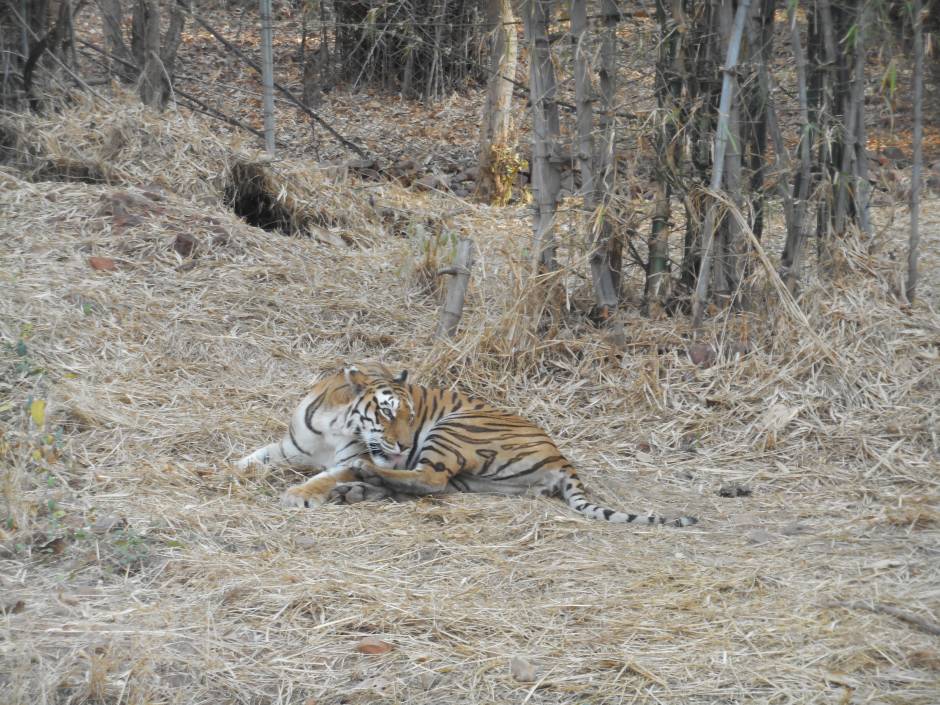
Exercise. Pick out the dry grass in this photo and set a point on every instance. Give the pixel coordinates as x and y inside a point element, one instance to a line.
<point>136,566</point>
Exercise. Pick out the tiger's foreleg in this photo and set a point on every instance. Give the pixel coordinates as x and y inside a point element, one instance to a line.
<point>316,491</point>
<point>424,479</point>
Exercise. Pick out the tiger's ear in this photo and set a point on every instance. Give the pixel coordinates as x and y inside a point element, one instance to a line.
<point>355,379</point>
<point>401,377</point>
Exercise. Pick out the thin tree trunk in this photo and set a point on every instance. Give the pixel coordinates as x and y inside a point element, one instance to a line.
<point>267,74</point>
<point>496,125</point>
<point>668,88</point>
<point>605,297</point>
<point>721,141</point>
<point>911,288</point>
<point>793,248</point>
<point>436,80</point>
<point>171,42</point>
<point>850,116</point>
<point>545,175</point>
<point>155,63</point>
<point>147,52</point>
<point>825,71</point>
<point>112,17</point>
<point>607,256</point>
<point>452,309</point>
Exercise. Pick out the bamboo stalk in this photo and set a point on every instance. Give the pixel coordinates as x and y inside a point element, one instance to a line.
<point>793,248</point>
<point>452,309</point>
<point>916,169</point>
<point>267,74</point>
<point>721,142</point>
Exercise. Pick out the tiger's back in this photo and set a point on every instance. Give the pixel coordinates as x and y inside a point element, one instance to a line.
<point>425,440</point>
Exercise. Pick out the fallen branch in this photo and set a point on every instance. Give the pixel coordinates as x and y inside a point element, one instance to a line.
<point>921,623</point>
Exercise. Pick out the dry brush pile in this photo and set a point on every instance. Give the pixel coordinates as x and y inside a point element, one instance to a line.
<point>150,336</point>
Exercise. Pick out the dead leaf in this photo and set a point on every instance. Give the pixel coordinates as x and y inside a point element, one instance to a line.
<point>702,355</point>
<point>102,264</point>
<point>108,523</point>
<point>126,221</point>
<point>373,646</point>
<point>522,669</point>
<point>185,244</point>
<point>37,410</point>
<point>56,546</point>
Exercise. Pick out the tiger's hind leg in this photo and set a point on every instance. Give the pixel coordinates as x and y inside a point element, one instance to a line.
<point>424,479</point>
<point>355,492</point>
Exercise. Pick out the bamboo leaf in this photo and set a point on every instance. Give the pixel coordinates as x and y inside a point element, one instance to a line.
<point>37,410</point>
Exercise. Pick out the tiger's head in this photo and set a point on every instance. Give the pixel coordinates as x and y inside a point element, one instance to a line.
<point>382,417</point>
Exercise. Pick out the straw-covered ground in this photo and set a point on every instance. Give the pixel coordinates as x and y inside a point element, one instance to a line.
<point>150,337</point>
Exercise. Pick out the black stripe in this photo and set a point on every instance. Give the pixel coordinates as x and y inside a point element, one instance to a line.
<point>290,433</point>
<point>311,410</point>
<point>535,468</point>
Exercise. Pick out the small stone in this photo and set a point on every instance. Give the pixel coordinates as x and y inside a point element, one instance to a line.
<point>522,669</point>
<point>733,489</point>
<point>757,536</point>
<point>794,528</point>
<point>184,244</point>
<point>702,355</point>
<point>108,523</point>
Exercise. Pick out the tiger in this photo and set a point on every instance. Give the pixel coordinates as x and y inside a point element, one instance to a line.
<point>424,440</point>
<point>317,436</point>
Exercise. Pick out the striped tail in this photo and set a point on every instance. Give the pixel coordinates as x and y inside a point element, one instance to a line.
<point>573,493</point>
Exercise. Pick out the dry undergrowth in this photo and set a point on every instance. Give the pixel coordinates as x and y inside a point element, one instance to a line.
<point>137,566</point>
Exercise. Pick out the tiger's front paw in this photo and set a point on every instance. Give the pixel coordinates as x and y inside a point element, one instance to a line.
<point>364,470</point>
<point>301,496</point>
<point>355,492</point>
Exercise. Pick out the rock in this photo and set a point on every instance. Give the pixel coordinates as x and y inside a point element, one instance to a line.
<point>733,489</point>
<point>432,182</point>
<point>794,528</point>
<point>522,669</point>
<point>757,536</point>
<point>185,244</point>
<point>107,523</point>
<point>702,355</point>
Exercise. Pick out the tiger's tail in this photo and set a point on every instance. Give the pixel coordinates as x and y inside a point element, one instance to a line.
<point>572,491</point>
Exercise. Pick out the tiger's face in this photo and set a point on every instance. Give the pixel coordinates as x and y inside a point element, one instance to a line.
<point>382,417</point>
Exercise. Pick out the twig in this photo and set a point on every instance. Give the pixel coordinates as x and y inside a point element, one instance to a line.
<point>921,623</point>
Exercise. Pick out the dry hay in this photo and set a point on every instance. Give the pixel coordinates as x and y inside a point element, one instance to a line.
<point>129,146</point>
<point>137,566</point>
